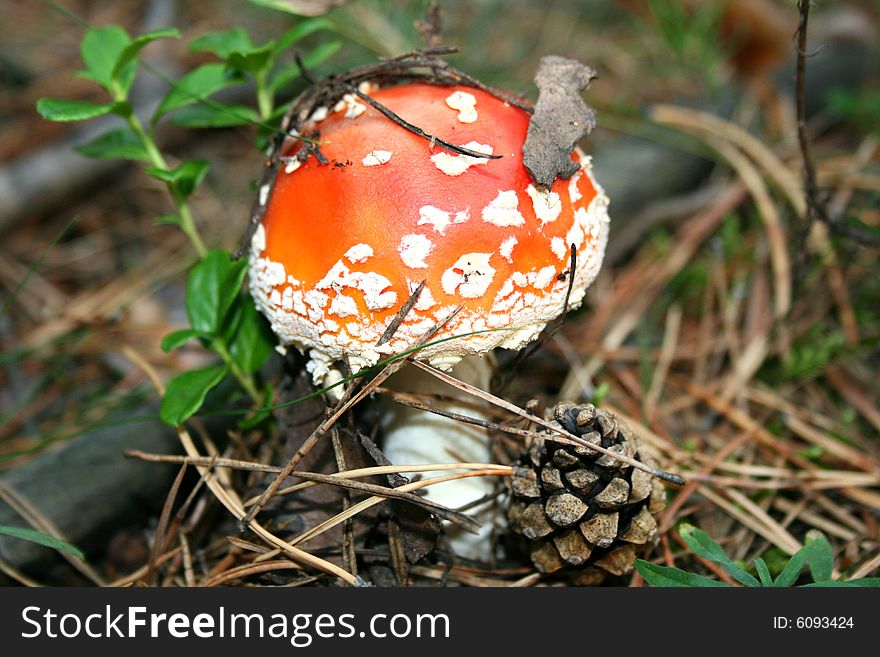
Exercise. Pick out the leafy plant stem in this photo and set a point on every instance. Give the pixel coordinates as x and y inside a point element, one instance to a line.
<point>246,380</point>
<point>187,224</point>
<point>264,95</point>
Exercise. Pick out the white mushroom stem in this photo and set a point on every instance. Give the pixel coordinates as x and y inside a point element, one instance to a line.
<point>413,436</point>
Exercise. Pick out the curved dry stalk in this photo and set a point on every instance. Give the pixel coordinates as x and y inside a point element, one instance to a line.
<point>637,289</point>
<point>769,213</point>
<point>866,568</point>
<point>667,351</point>
<point>795,483</point>
<point>502,471</point>
<point>18,576</point>
<point>702,123</point>
<point>563,437</point>
<point>355,473</point>
<point>36,519</point>
<point>798,510</point>
<point>230,499</point>
<point>698,121</point>
<point>754,517</point>
<point>386,470</point>
<point>140,573</point>
<point>348,482</point>
<point>348,401</point>
<point>720,135</point>
<point>249,569</point>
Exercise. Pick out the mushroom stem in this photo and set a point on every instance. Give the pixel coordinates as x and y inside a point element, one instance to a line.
<point>413,436</point>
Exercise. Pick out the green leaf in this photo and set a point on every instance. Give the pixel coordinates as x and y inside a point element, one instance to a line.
<point>177,338</point>
<point>820,555</point>
<point>211,289</point>
<point>703,546</point>
<point>223,44</point>
<point>186,393</point>
<point>122,144</point>
<point>42,539</point>
<point>792,569</point>
<point>252,60</point>
<point>600,393</point>
<point>664,576</point>
<point>301,31</point>
<point>184,178</point>
<point>312,59</point>
<point>858,224</point>
<point>127,56</point>
<point>817,553</point>
<point>197,85</point>
<point>61,109</point>
<point>168,220</point>
<point>214,116</point>
<point>253,420</point>
<point>763,572</point>
<point>251,344</point>
<point>850,583</point>
<point>101,48</point>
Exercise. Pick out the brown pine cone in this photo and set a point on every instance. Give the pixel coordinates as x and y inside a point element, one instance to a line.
<point>582,509</point>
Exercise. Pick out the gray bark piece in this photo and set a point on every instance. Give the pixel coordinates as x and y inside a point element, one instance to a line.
<point>560,121</point>
<point>88,488</point>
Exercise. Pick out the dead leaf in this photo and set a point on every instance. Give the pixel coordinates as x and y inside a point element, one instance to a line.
<point>561,119</point>
<point>303,7</point>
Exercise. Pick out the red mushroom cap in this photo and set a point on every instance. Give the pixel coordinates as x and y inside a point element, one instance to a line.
<point>342,245</point>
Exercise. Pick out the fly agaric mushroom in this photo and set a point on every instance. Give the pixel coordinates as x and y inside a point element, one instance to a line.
<point>344,243</point>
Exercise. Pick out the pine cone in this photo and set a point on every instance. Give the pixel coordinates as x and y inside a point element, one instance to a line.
<point>580,508</point>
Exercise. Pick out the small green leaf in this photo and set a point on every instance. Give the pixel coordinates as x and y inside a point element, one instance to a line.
<point>763,572</point>
<point>128,54</point>
<point>600,393</point>
<point>314,58</point>
<point>223,44</point>
<point>253,420</point>
<point>211,289</point>
<point>214,116</point>
<point>301,31</point>
<point>61,109</point>
<point>190,175</point>
<point>850,583</point>
<point>197,85</point>
<point>122,144</point>
<point>178,338</point>
<point>813,452</point>
<point>41,539</point>
<point>792,569</point>
<point>703,546</point>
<point>186,393</point>
<point>168,220</point>
<point>253,60</point>
<point>101,48</point>
<point>184,178</point>
<point>251,344</point>
<point>858,224</point>
<point>820,555</point>
<point>664,576</point>
<point>817,553</point>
